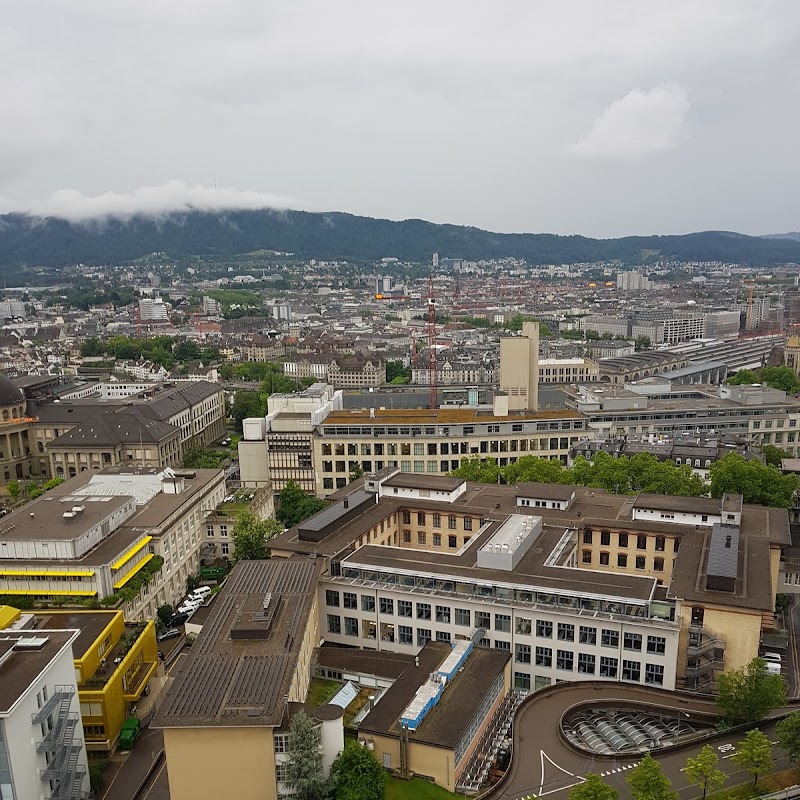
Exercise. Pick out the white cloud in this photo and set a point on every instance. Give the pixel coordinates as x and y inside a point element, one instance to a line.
<point>638,125</point>
<point>174,195</point>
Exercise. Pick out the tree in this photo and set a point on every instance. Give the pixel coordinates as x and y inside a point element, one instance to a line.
<point>295,505</point>
<point>593,788</point>
<point>247,404</point>
<point>754,754</point>
<point>304,765</point>
<point>642,343</point>
<point>536,470</point>
<point>788,731</point>
<point>164,614</point>
<point>756,482</point>
<point>747,694</point>
<point>356,471</point>
<point>648,781</point>
<point>251,535</point>
<point>397,372</point>
<point>473,469</point>
<point>703,770</point>
<point>357,775</point>
<point>13,489</point>
<point>198,458</point>
<point>774,455</point>
<point>783,378</point>
<point>743,376</point>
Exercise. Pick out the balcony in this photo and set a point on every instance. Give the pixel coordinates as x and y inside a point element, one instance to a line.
<point>137,682</point>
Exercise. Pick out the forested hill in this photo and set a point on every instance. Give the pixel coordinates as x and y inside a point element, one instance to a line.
<point>27,241</point>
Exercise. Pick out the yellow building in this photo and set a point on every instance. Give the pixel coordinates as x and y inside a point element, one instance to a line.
<point>114,662</point>
<point>519,368</point>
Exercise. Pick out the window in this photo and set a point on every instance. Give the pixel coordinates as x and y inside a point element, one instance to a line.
<point>209,530</point>
<point>586,663</point>
<point>631,670</point>
<point>566,632</point>
<point>522,681</point>
<point>587,635</point>
<point>605,538</point>
<point>499,644</point>
<point>281,742</point>
<point>587,537</point>
<point>658,564</point>
<point>632,641</point>
<point>423,636</point>
<point>367,602</point>
<point>502,623</point>
<point>522,653</point>
<point>639,562</point>
<point>406,518</point>
<point>420,517</point>
<point>421,537</point>
<point>387,605</point>
<point>223,530</point>
<point>564,660</point>
<point>656,644</point>
<point>451,522</point>
<point>405,634</point>
<point>331,597</point>
<point>437,539</point>
<point>423,610</point>
<point>443,614</point>
<point>623,539</point>
<point>544,657</point>
<point>404,608</point>
<point>452,541</point>
<point>225,548</point>
<point>586,556</point>
<point>350,626</point>
<point>622,560</point>
<point>676,543</point>
<point>544,628</point>
<point>467,523</point>
<point>483,620</point>
<point>334,623</point>
<point>407,537</point>
<point>654,674</point>
<point>462,616</point>
<point>442,636</point>
<point>604,559</point>
<point>522,625</point>
<point>661,543</point>
<point>608,667</point>
<point>609,638</point>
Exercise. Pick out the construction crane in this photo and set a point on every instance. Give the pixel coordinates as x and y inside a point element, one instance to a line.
<point>433,398</point>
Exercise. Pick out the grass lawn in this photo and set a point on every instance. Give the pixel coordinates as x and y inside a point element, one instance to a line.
<point>417,789</point>
<point>233,509</point>
<point>320,691</point>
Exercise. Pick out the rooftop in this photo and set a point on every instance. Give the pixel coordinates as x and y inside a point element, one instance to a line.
<point>243,662</point>
<point>439,416</point>
<point>89,624</point>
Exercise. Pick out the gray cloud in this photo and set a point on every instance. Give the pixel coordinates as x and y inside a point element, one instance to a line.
<point>511,116</point>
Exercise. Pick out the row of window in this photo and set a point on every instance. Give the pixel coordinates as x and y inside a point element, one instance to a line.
<point>660,542</point>
<point>622,560</point>
<point>468,430</point>
<point>436,539</point>
<point>436,520</point>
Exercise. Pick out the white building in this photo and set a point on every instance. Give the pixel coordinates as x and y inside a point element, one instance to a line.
<point>151,310</point>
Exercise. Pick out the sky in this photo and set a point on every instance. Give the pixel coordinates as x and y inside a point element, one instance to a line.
<point>598,118</point>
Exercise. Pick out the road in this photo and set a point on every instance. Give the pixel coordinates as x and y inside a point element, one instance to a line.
<point>545,765</point>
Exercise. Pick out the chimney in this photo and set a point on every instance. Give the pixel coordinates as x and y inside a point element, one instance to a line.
<point>346,503</point>
<point>728,539</point>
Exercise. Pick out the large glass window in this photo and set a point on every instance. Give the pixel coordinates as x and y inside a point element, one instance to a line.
<point>522,681</point>
<point>405,634</point>
<point>564,659</point>
<point>586,663</point>
<point>544,628</point>
<point>522,625</point>
<point>544,657</point>
<point>608,667</point>
<point>443,614</point>
<point>483,619</point>
<point>350,600</point>
<point>404,608</point>
<point>654,674</point>
<point>587,635</point>
<point>566,632</point>
<point>423,636</point>
<point>462,616</point>
<point>522,653</point>
<point>423,610</point>
<point>387,605</point>
<point>656,644</point>
<point>331,597</point>
<point>367,602</point>
<point>631,670</point>
<point>610,638</point>
<point>632,641</point>
<point>334,623</point>
<point>350,626</point>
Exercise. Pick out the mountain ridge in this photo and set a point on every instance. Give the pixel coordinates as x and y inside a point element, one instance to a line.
<point>27,241</point>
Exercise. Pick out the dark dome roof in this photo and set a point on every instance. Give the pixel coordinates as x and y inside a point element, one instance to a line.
<point>9,394</point>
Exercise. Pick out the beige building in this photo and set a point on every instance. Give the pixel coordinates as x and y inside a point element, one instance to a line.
<point>356,372</point>
<point>17,460</point>
<point>568,370</point>
<point>519,368</point>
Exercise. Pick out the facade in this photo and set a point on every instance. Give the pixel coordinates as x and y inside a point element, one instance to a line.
<point>90,537</point>
<point>568,370</point>
<point>611,349</point>
<point>42,751</point>
<point>634,280</point>
<point>356,372</point>
<point>519,368</point>
<point>16,451</point>
<point>456,372</point>
<point>650,592</point>
<point>601,323</point>
<point>151,310</point>
<point>219,525</point>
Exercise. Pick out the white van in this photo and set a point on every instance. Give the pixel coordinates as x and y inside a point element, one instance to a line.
<point>773,668</point>
<point>775,658</point>
<point>201,592</point>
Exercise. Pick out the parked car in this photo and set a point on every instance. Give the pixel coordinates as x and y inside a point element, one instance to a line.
<point>177,619</point>
<point>226,441</point>
<point>188,609</point>
<point>171,633</point>
<point>775,658</point>
<point>201,592</point>
<point>773,668</point>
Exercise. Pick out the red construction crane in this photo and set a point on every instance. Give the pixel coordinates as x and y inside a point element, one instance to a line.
<point>433,399</point>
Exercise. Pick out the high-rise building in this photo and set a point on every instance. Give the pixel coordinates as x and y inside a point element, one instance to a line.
<point>519,368</point>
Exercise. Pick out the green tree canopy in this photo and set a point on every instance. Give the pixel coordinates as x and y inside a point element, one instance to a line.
<point>783,378</point>
<point>788,731</point>
<point>199,458</point>
<point>756,482</point>
<point>304,764</point>
<point>703,770</point>
<point>247,404</point>
<point>356,471</point>
<point>295,505</point>
<point>648,781</point>
<point>474,469</point>
<point>357,775</point>
<point>747,694</point>
<point>593,788</point>
<point>536,470</point>
<point>773,455</point>
<point>744,376</point>
<point>251,536</point>
<point>754,754</point>
<point>397,373</point>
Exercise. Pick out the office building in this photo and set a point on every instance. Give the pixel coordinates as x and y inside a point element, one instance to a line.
<point>153,310</point>
<point>634,280</point>
<point>519,368</point>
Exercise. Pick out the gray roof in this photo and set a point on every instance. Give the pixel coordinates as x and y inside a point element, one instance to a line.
<point>723,551</point>
<point>405,480</point>
<point>112,429</point>
<point>9,394</point>
<point>546,491</point>
<point>690,505</point>
<point>243,663</point>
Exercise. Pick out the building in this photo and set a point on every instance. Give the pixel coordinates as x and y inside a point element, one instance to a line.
<point>231,702</point>
<point>356,372</point>
<point>16,451</point>
<point>130,536</point>
<point>791,353</point>
<point>454,371</point>
<point>219,525</point>
<point>611,349</point>
<point>42,751</point>
<point>634,280</point>
<point>113,661</point>
<point>568,370</point>
<point>660,591</point>
<point>519,368</point>
<point>601,323</point>
<point>153,310</point>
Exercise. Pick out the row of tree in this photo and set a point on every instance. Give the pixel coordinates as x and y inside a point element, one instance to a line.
<point>163,350</point>
<point>783,378</point>
<point>757,482</point>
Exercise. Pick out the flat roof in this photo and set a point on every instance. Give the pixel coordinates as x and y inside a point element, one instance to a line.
<point>243,662</point>
<point>22,667</point>
<point>546,491</point>
<point>439,416</point>
<point>89,624</point>
<point>407,480</point>
<point>689,505</point>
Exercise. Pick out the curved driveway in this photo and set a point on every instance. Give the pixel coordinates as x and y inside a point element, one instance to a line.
<point>544,764</point>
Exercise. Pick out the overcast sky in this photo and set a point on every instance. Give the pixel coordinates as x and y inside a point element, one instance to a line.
<point>601,118</point>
